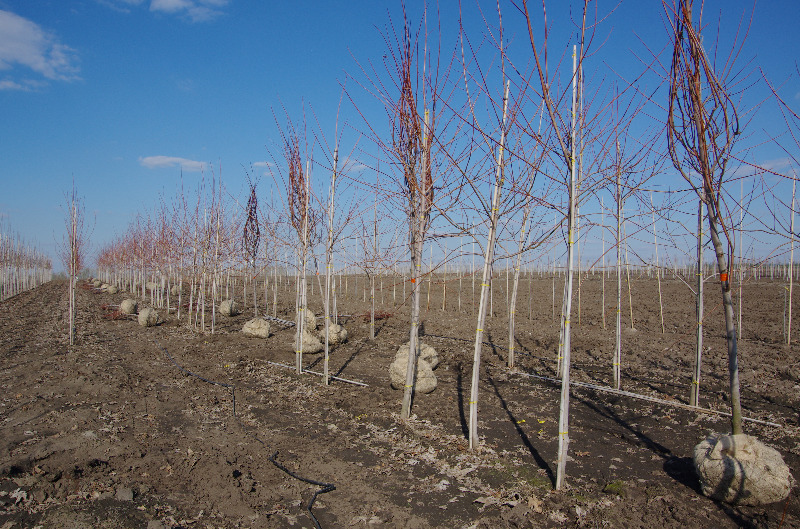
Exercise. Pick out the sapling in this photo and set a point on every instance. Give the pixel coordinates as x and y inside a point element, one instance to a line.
<point>73,250</point>
<point>702,128</point>
<point>488,262</point>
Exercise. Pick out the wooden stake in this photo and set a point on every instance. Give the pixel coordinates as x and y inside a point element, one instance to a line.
<point>698,359</point>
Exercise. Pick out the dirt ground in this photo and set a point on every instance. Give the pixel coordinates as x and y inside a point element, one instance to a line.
<point>115,432</point>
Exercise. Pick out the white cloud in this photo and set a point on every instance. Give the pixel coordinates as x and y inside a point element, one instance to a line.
<point>120,5</point>
<point>263,164</point>
<point>25,43</point>
<point>170,6</point>
<point>352,165</point>
<point>184,84</point>
<point>158,162</point>
<point>26,85</point>
<point>775,165</point>
<point>192,10</point>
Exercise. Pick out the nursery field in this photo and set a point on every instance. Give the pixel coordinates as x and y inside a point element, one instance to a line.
<point>136,427</point>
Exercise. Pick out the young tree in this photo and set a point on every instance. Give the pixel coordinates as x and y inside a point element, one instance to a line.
<point>702,128</point>
<point>73,249</point>
<point>251,239</point>
<point>415,99</point>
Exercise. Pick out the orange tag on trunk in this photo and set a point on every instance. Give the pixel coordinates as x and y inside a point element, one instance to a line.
<point>723,277</point>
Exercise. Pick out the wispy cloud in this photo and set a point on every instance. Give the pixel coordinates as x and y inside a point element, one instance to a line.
<point>184,84</point>
<point>24,43</point>
<point>351,165</point>
<point>26,85</point>
<point>159,162</point>
<point>770,166</point>
<point>122,6</point>
<point>191,10</point>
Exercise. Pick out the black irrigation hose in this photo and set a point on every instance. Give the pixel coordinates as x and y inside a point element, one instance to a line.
<point>326,487</point>
<point>222,384</point>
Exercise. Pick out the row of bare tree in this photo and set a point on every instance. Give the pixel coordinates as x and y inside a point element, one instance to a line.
<point>22,266</point>
<point>498,149</point>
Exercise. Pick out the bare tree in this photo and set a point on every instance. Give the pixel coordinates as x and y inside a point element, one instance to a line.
<point>415,99</point>
<point>702,128</point>
<point>73,249</point>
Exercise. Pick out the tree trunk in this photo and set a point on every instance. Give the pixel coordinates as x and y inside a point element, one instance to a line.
<point>488,262</point>
<point>730,324</point>
<point>413,347</point>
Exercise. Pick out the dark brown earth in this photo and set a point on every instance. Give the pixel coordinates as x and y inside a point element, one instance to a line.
<point>112,433</point>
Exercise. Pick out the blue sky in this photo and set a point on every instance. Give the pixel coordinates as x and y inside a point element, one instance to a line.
<point>123,95</point>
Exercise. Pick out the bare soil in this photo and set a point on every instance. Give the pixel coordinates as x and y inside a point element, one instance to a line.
<point>120,430</point>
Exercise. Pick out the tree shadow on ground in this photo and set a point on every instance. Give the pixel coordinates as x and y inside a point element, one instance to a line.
<point>595,404</point>
<point>462,417</point>
<point>681,469</point>
<point>350,359</point>
<point>520,432</point>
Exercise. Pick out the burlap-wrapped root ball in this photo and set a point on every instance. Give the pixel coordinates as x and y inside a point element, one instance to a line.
<point>426,352</point>
<point>425,377</point>
<point>258,327</point>
<point>97,283</point>
<point>229,308</point>
<point>148,317</point>
<point>311,343</point>
<point>128,306</point>
<point>309,320</point>
<point>741,470</point>
<point>175,290</point>
<point>336,334</point>
<point>112,289</point>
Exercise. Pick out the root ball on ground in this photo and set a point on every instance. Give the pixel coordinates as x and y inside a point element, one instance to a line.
<point>258,327</point>
<point>128,306</point>
<point>311,343</point>
<point>309,319</point>
<point>336,334</point>
<point>426,352</point>
<point>741,470</point>
<point>425,378</point>
<point>148,317</point>
<point>229,308</point>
